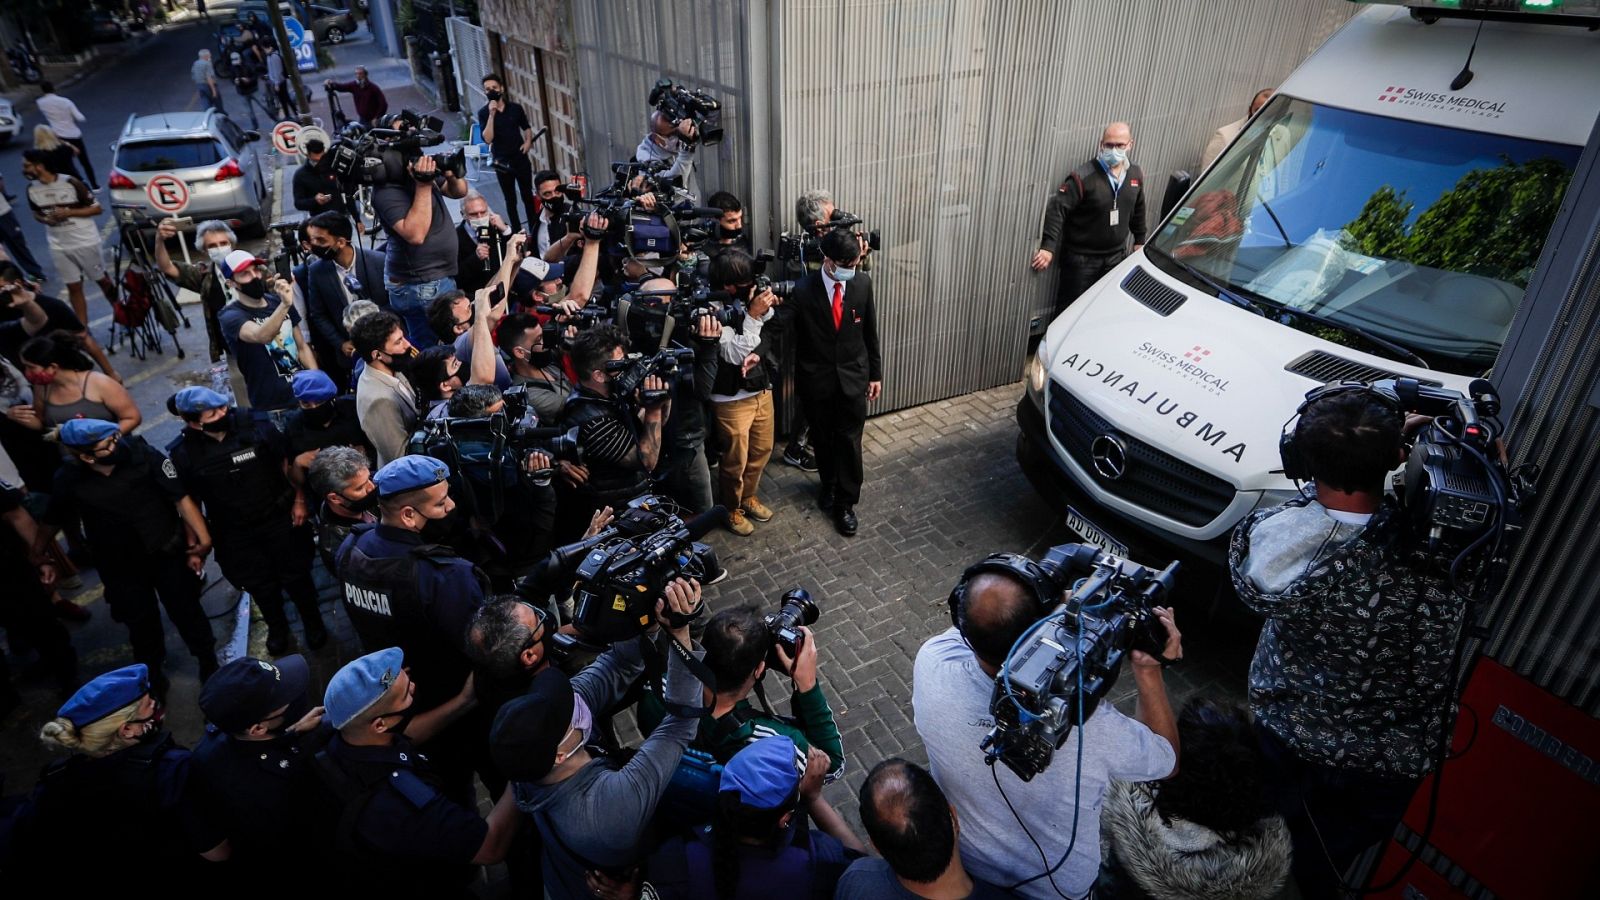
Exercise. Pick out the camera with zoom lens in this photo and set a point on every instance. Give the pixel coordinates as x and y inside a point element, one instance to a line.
<point>796,609</point>
<point>621,572</point>
<point>628,373</point>
<point>842,219</point>
<point>383,155</point>
<point>676,103</point>
<point>1069,660</point>
<point>780,289</point>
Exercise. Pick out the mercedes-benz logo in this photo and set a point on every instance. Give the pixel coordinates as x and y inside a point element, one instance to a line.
<point>1110,456</point>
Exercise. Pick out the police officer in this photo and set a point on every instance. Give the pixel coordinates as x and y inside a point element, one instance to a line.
<point>400,591</point>
<point>121,804</point>
<point>147,534</point>
<point>255,759</point>
<point>395,827</point>
<point>236,468</point>
<point>324,419</point>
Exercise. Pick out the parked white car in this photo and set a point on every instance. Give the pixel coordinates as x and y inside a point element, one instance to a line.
<point>10,122</point>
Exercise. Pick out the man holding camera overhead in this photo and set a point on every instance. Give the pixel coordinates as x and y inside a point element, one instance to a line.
<point>670,140</point>
<point>421,259</point>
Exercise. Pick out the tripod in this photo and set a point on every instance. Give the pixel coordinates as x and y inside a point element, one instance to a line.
<point>144,300</point>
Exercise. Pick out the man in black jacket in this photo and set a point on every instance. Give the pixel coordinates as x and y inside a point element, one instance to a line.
<point>838,369</point>
<point>342,273</point>
<point>1089,218</point>
<point>317,191</point>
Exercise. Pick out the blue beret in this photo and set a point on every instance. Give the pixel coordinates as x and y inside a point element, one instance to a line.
<point>314,386</point>
<point>198,399</point>
<point>764,773</point>
<point>87,432</point>
<point>106,694</point>
<point>409,473</point>
<point>362,682</point>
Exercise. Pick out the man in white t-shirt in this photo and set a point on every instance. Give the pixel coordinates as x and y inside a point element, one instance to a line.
<point>953,681</point>
<point>63,116</point>
<point>68,209</point>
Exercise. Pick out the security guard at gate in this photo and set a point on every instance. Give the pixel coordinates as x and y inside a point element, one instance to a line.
<point>238,469</point>
<point>402,592</point>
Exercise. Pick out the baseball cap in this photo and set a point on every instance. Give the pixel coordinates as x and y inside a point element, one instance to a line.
<point>361,683</point>
<point>527,730</point>
<point>763,773</point>
<point>544,271</point>
<point>238,261</point>
<point>247,690</point>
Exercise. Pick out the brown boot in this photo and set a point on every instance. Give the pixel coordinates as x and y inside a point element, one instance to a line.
<point>738,524</point>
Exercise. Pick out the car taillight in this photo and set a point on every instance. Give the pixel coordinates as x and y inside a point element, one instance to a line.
<point>121,182</point>
<point>229,169</point>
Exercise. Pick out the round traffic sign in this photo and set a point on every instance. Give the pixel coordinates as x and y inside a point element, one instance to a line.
<point>310,133</point>
<point>286,138</point>
<point>167,192</point>
<point>295,31</point>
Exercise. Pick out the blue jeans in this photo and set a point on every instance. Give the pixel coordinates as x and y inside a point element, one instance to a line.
<point>410,303</point>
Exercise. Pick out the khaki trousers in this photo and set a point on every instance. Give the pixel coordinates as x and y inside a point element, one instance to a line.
<point>745,427</point>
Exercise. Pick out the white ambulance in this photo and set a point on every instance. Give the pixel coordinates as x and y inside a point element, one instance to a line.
<point>1371,221</point>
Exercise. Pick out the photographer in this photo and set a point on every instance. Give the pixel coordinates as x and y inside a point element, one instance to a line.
<point>509,134</point>
<point>730,226</point>
<point>666,140</point>
<point>741,395</point>
<point>621,438</point>
<point>1003,819</point>
<point>263,333</point>
<point>216,240</point>
<point>316,189</point>
<point>420,263</point>
<point>1352,679</point>
<point>530,356</point>
<point>591,810</point>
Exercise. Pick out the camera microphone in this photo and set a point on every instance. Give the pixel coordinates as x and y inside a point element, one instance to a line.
<point>702,524</point>
<point>698,212</point>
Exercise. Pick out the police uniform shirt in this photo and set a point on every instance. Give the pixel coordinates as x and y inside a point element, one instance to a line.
<point>130,513</point>
<point>239,479</point>
<point>261,790</point>
<point>410,819</point>
<point>345,431</point>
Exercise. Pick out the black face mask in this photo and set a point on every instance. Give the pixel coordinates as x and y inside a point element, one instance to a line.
<point>364,505</point>
<point>321,252</point>
<point>219,426</point>
<point>320,416</point>
<point>556,204</point>
<point>255,290</point>
<point>493,95</point>
<point>402,363</point>
<point>119,454</point>
<point>541,358</point>
<point>730,234</point>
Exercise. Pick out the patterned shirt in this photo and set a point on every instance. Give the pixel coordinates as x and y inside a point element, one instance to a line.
<point>1352,670</point>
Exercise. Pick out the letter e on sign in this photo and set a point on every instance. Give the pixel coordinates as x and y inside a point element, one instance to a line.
<point>167,193</point>
<point>286,138</point>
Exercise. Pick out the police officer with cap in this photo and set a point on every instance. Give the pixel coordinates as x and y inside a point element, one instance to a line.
<point>148,538</point>
<point>255,758</point>
<point>401,591</point>
<point>237,468</point>
<point>324,419</point>
<point>125,796</point>
<point>395,827</point>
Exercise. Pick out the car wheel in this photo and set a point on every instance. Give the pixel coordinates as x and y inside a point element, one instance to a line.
<point>335,35</point>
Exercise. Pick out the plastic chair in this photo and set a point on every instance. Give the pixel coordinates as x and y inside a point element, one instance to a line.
<point>477,151</point>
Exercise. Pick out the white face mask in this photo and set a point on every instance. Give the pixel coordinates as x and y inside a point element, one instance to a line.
<point>218,254</point>
<point>478,222</point>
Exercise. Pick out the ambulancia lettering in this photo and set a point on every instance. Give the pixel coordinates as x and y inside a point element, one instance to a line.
<point>1190,421</point>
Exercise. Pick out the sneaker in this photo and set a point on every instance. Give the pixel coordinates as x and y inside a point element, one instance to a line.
<point>757,510</point>
<point>738,524</point>
<point>800,458</point>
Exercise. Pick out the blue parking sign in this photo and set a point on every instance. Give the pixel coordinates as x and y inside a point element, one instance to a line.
<point>296,32</point>
<point>303,45</point>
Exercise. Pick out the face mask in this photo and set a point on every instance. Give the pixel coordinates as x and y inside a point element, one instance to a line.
<point>840,273</point>
<point>38,377</point>
<point>1111,157</point>
<point>556,204</point>
<point>320,416</point>
<point>493,95</point>
<point>730,234</point>
<point>364,505</point>
<point>479,222</point>
<point>219,426</point>
<point>152,728</point>
<point>540,358</point>
<point>255,290</point>
<point>329,252</point>
<point>218,254</point>
<point>582,721</point>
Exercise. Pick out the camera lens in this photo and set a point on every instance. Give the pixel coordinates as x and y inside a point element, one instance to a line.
<point>798,607</point>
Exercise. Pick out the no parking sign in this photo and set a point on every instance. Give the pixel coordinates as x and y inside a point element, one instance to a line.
<point>286,138</point>
<point>168,193</point>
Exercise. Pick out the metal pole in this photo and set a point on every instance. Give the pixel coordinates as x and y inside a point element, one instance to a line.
<point>291,69</point>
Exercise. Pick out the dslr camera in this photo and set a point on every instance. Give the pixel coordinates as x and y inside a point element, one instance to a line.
<point>676,103</point>
<point>796,609</point>
<point>383,155</point>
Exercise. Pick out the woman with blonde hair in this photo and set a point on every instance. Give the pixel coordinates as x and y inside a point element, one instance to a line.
<point>123,794</point>
<point>63,156</point>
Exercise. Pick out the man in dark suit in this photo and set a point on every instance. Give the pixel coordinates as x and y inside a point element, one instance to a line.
<point>476,261</point>
<point>838,369</point>
<point>342,273</point>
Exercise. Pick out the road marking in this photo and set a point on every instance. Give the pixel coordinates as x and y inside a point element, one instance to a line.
<point>172,363</point>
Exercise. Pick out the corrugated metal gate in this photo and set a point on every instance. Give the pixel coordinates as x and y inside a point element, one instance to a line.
<point>946,124</point>
<point>470,54</point>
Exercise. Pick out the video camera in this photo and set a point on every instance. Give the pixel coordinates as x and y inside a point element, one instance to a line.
<point>1063,665</point>
<point>804,246</point>
<point>629,373</point>
<point>383,155</point>
<point>622,571</point>
<point>676,103</point>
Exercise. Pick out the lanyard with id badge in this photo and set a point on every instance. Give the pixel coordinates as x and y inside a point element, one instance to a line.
<point>1116,191</point>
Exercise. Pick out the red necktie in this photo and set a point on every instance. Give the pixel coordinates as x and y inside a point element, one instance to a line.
<point>838,305</point>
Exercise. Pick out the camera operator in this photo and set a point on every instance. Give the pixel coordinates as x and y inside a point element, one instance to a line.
<point>421,260</point>
<point>342,273</point>
<point>621,439</point>
<point>339,481</point>
<point>552,240</point>
<point>1004,819</point>
<point>592,810</point>
<point>215,239</point>
<point>316,189</point>
<point>684,471</point>
<point>665,140</point>
<point>730,226</point>
<point>534,363</point>
<point>741,394</point>
<point>509,134</point>
<point>1351,680</point>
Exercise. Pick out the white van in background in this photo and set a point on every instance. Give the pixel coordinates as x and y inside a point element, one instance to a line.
<point>1369,222</point>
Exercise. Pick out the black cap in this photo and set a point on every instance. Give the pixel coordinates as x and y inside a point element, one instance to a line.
<point>528,730</point>
<point>247,690</point>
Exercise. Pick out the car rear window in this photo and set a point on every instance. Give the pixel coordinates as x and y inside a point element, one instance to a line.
<point>162,156</point>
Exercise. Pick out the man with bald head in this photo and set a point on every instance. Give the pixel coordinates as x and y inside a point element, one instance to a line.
<point>1088,220</point>
<point>952,683</point>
